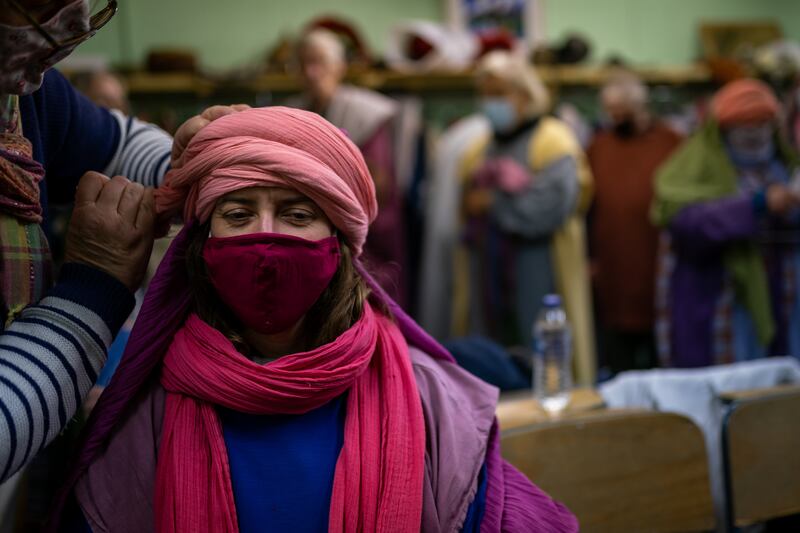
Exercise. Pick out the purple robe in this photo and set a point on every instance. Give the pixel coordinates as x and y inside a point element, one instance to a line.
<point>699,235</point>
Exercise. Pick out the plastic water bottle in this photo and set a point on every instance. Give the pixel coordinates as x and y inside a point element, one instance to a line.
<point>552,365</point>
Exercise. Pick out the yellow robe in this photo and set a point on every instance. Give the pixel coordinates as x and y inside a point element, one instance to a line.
<point>552,140</point>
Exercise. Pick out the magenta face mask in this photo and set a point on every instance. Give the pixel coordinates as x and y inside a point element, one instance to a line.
<point>270,280</point>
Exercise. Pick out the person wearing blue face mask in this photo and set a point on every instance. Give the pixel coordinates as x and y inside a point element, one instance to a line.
<point>729,204</point>
<point>526,189</point>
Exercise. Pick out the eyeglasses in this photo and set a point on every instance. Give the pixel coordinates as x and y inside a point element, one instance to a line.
<point>97,21</point>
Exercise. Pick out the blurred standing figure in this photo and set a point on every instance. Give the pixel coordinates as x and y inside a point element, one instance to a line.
<point>105,89</point>
<point>526,188</point>
<point>624,158</point>
<point>730,284</point>
<point>367,117</point>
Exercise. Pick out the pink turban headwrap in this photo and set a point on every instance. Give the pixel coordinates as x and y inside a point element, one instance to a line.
<point>744,102</point>
<point>280,147</point>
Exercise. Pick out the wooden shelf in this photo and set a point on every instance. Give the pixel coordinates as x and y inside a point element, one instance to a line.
<point>587,75</point>
<point>142,83</point>
<point>179,83</point>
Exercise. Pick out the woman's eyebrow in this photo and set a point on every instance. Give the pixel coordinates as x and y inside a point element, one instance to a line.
<point>298,199</point>
<point>237,200</point>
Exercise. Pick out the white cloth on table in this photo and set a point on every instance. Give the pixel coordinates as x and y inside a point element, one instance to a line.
<point>695,393</point>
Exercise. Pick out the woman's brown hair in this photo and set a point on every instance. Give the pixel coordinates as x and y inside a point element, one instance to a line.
<point>339,307</point>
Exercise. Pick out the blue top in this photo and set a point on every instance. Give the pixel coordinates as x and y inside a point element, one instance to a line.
<point>472,523</point>
<point>115,352</point>
<point>282,467</point>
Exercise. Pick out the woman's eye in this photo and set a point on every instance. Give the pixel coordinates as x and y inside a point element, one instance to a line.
<point>237,216</point>
<point>298,216</point>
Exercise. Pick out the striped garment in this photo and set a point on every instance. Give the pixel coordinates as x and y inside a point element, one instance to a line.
<point>50,357</point>
<point>143,152</point>
<point>71,136</point>
<point>51,354</point>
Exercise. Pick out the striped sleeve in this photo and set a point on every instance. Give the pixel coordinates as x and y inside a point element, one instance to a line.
<point>143,152</point>
<point>50,357</point>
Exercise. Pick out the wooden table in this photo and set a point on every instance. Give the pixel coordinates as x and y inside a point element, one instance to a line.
<point>519,409</point>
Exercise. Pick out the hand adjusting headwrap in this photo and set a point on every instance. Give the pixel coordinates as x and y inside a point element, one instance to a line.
<point>274,146</point>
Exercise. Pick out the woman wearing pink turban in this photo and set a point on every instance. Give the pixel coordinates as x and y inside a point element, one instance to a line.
<point>270,384</point>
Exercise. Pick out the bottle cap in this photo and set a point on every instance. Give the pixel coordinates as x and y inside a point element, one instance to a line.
<point>552,300</point>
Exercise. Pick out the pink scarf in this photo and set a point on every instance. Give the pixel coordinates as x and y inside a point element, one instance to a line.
<point>378,480</point>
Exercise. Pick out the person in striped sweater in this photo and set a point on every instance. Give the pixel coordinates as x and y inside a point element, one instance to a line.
<point>54,337</point>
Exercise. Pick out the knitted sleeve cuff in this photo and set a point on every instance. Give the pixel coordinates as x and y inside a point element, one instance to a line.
<point>96,290</point>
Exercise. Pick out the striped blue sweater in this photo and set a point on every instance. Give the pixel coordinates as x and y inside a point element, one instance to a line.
<point>51,355</point>
<point>71,136</point>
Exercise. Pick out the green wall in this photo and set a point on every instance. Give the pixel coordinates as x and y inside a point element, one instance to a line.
<point>659,31</point>
<point>234,33</point>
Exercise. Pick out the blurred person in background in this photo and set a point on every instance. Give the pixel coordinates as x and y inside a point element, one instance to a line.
<point>624,157</point>
<point>730,272</point>
<point>526,190</point>
<point>368,119</point>
<point>104,88</point>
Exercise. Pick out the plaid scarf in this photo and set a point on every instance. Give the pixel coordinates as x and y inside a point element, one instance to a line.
<point>25,260</point>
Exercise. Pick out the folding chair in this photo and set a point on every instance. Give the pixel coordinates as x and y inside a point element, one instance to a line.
<point>761,454</point>
<point>619,470</point>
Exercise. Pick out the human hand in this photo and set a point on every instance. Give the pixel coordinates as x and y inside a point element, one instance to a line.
<point>511,176</point>
<point>486,175</point>
<point>477,202</point>
<point>191,127</point>
<point>111,228</point>
<point>503,173</point>
<point>781,199</point>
